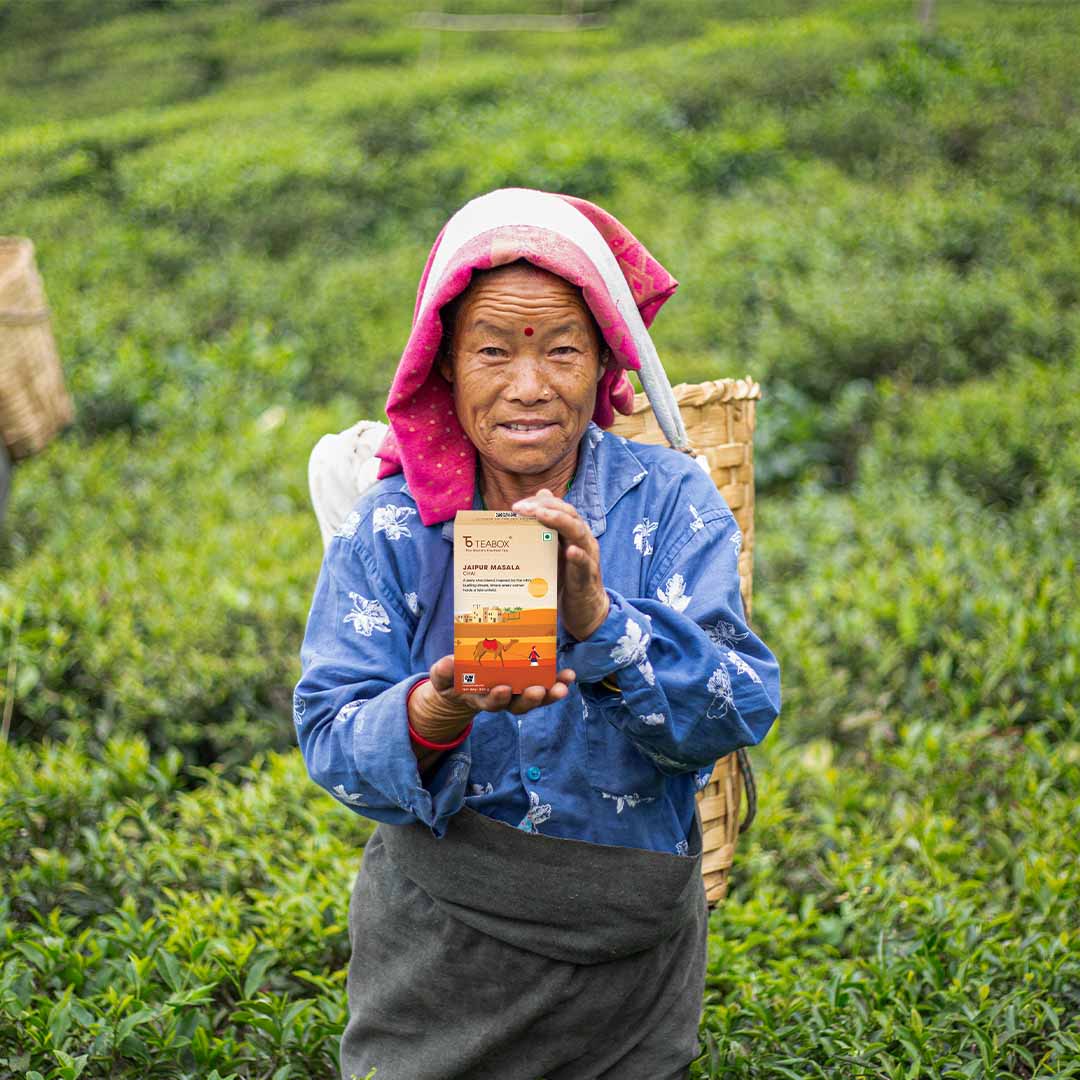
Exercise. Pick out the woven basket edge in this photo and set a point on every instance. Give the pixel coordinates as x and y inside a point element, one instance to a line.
<point>744,389</point>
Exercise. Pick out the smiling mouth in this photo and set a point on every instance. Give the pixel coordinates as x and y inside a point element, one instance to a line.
<point>530,425</point>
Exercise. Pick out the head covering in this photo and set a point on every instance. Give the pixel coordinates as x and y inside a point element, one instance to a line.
<point>623,285</point>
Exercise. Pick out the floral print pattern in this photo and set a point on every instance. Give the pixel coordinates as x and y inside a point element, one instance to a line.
<point>741,666</point>
<point>723,633</point>
<point>630,649</point>
<point>352,798</point>
<point>348,711</point>
<point>367,616</point>
<point>696,522</point>
<point>347,529</point>
<point>674,593</point>
<point>631,799</point>
<point>413,601</point>
<point>642,531</point>
<point>298,707</point>
<point>719,686</point>
<point>459,769</point>
<point>653,719</point>
<point>391,519</point>
<point>536,815</point>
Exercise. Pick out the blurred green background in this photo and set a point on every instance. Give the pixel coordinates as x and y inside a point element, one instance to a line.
<point>877,220</point>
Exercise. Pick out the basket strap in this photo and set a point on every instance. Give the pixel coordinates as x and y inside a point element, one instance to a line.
<point>657,387</point>
<point>24,318</point>
<point>750,785</point>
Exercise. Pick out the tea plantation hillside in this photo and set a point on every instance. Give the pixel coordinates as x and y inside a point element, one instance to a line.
<point>232,204</point>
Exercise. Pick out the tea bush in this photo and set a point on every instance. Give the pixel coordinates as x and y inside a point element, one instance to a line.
<point>1003,441</point>
<point>918,591</point>
<point>881,226</point>
<point>146,929</point>
<point>164,584</point>
<point>842,198</point>
<point>898,909</point>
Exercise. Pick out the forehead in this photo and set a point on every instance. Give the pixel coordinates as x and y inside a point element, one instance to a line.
<point>521,290</point>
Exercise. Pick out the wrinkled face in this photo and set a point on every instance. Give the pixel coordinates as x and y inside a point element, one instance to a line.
<point>524,366</point>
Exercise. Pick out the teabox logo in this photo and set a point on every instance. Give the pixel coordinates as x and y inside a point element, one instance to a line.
<point>485,545</point>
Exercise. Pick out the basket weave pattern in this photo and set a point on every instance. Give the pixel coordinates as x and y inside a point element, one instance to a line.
<point>719,419</point>
<point>34,403</point>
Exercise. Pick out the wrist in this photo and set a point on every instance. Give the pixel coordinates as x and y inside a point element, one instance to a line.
<point>432,718</point>
<point>598,621</point>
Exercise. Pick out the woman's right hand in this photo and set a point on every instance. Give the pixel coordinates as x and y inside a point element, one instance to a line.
<point>440,713</point>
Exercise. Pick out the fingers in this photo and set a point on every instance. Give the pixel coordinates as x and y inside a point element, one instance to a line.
<point>499,698</point>
<point>529,699</point>
<point>502,698</point>
<point>578,556</point>
<point>557,513</point>
<point>570,526</point>
<point>495,700</point>
<point>441,673</point>
<point>535,697</point>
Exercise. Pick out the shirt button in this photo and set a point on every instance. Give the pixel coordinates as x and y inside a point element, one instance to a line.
<point>533,772</point>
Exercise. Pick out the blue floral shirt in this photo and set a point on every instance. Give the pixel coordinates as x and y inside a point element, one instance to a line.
<point>608,767</point>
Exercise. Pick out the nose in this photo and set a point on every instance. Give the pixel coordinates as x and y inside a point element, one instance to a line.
<point>529,384</point>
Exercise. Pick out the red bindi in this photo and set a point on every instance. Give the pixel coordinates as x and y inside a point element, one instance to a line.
<point>528,331</point>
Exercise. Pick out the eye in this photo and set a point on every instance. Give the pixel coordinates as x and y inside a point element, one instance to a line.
<point>492,351</point>
<point>565,349</point>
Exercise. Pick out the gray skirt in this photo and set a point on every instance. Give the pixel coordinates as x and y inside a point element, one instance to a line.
<point>493,953</point>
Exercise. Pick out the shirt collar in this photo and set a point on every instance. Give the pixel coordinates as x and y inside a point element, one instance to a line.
<point>607,470</point>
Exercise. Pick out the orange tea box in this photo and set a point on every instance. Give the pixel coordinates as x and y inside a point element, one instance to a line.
<point>505,611</point>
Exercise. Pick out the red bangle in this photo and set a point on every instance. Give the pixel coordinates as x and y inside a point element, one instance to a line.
<point>413,688</point>
<point>419,739</point>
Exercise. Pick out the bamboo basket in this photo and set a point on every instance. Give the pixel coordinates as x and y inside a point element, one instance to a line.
<point>719,419</point>
<point>34,403</point>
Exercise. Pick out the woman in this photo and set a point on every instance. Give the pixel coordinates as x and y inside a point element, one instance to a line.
<point>531,903</point>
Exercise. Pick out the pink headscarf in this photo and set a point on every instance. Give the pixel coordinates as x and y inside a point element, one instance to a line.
<point>621,282</point>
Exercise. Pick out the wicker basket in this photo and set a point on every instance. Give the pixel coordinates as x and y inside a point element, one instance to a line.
<point>719,418</point>
<point>34,404</point>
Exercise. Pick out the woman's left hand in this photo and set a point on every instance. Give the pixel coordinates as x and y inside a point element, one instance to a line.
<point>583,601</point>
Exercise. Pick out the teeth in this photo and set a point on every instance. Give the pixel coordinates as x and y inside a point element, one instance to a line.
<point>525,427</point>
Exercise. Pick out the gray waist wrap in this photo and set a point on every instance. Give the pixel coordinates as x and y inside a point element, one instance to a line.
<point>567,900</point>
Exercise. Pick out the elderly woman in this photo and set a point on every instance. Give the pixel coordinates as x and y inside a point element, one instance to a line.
<point>531,904</point>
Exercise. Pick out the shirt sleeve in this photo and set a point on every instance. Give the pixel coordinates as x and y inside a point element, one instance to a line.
<point>695,683</point>
<point>349,705</point>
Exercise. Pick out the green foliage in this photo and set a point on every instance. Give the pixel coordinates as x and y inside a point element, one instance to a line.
<point>916,592</point>
<point>1004,441</point>
<point>889,916</point>
<point>151,930</point>
<point>163,583</point>
<point>903,911</point>
<point>880,226</point>
<point>841,198</point>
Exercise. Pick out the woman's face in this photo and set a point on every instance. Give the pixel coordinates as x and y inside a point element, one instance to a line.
<point>524,368</point>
